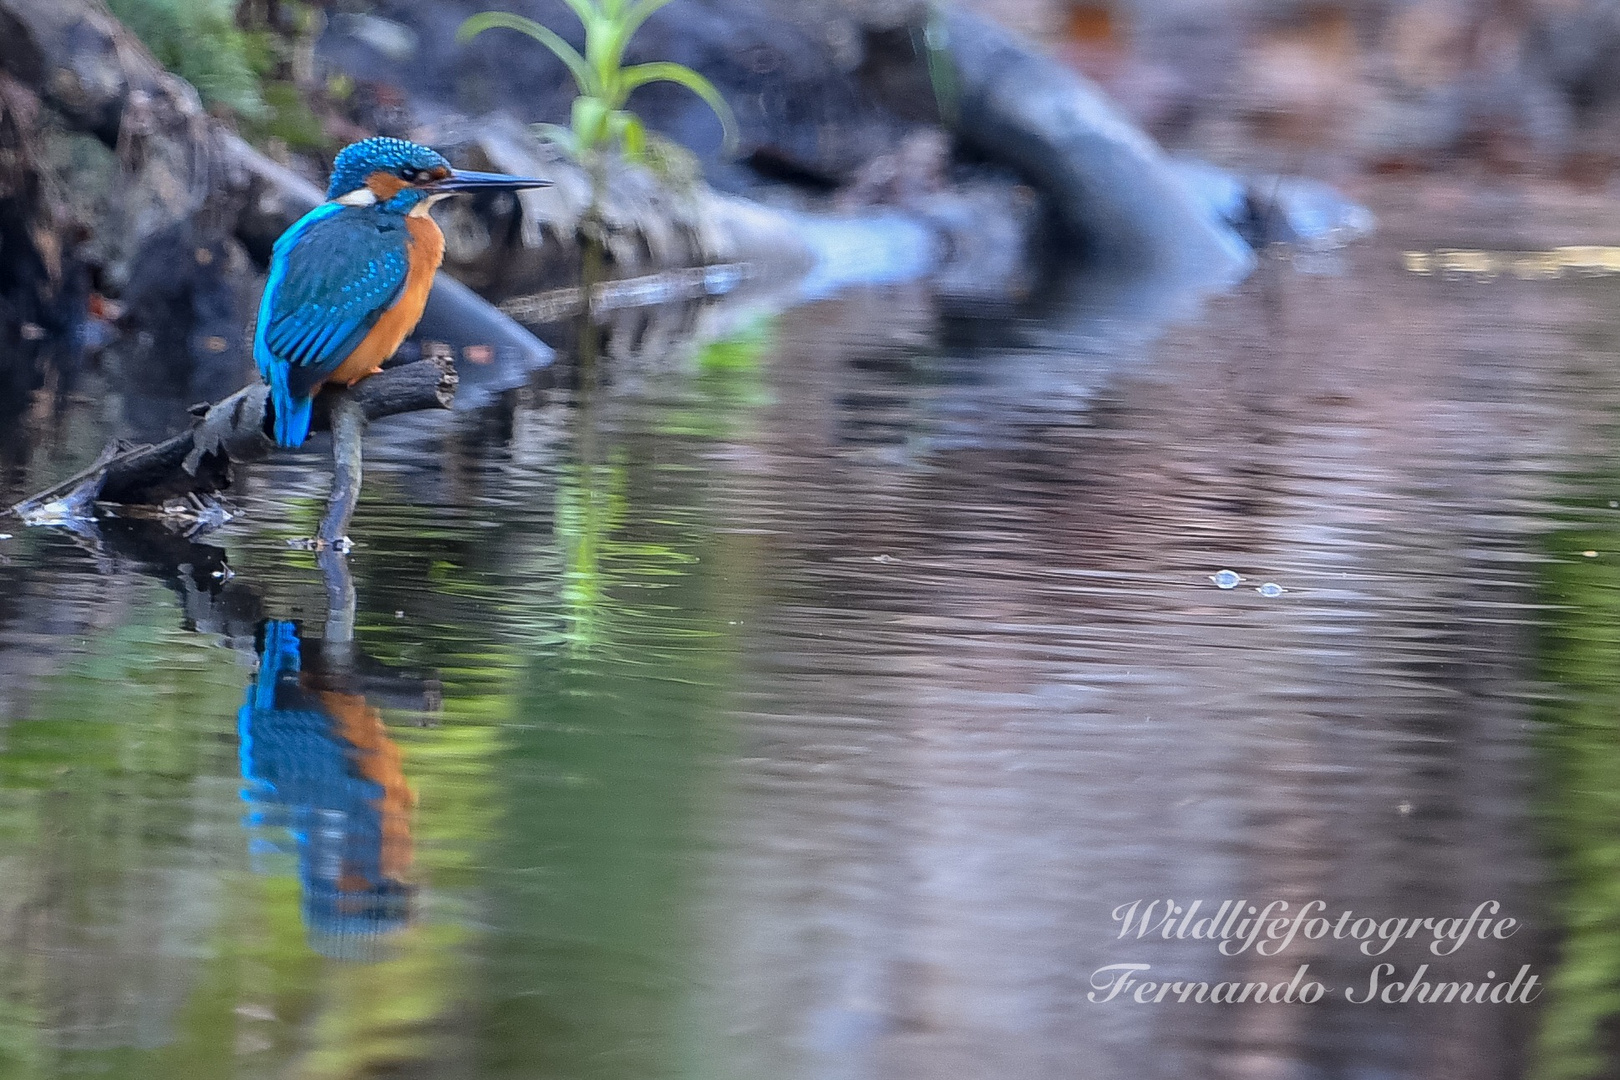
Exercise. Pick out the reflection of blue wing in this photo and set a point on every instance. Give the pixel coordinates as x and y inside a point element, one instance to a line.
<point>332,276</point>
<point>300,774</point>
<point>281,654</point>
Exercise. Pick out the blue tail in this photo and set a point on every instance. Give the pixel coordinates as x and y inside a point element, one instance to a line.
<point>292,413</point>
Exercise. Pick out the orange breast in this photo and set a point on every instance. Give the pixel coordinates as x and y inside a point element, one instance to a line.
<point>426,252</point>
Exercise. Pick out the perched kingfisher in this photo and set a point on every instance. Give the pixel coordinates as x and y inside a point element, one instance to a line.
<point>349,280</point>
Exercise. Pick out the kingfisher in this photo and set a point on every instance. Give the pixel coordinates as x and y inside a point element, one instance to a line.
<point>348,281</point>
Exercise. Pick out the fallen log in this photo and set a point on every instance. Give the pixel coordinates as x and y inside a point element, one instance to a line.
<point>1112,187</point>
<point>199,461</point>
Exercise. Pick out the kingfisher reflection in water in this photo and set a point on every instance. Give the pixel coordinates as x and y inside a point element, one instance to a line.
<point>319,763</point>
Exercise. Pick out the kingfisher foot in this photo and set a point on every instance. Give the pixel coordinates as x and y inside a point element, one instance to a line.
<point>342,545</point>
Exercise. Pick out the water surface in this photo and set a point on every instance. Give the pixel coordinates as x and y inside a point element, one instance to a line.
<point>802,704</point>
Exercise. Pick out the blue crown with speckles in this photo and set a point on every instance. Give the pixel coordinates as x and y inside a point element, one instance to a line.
<point>356,162</point>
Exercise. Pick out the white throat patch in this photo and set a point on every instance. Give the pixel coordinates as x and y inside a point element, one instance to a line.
<point>421,209</point>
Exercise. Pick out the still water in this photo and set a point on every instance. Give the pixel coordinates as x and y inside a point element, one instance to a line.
<point>805,703</point>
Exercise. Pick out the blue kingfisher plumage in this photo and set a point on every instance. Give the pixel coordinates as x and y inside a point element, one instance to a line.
<point>348,281</point>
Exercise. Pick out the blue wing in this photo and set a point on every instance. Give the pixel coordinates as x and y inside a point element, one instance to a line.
<point>332,275</point>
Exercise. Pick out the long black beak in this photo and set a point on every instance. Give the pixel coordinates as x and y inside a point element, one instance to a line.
<point>462,180</point>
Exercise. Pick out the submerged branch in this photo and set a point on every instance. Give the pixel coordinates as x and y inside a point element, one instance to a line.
<point>198,462</point>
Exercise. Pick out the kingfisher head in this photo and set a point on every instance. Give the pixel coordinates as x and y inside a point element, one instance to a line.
<point>405,177</point>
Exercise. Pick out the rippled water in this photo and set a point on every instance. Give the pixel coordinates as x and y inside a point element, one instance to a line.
<point>803,705</point>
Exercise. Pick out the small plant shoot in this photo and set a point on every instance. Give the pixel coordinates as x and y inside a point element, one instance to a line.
<point>600,119</point>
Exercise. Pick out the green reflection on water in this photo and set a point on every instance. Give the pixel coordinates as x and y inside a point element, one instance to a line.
<point>148,948</point>
<point>729,385</point>
<point>582,634</point>
<point>1579,798</point>
<point>558,832</point>
<point>600,852</point>
<point>108,824</point>
<point>604,776</point>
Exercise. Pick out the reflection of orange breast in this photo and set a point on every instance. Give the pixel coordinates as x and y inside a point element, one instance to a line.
<point>425,252</point>
<point>379,761</point>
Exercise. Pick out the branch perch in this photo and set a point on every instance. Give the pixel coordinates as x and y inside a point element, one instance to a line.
<point>231,432</point>
<point>348,432</point>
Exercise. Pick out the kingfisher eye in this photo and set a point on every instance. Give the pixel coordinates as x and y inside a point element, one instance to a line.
<point>410,173</point>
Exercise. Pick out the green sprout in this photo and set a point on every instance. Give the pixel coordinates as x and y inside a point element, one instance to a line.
<point>599,117</point>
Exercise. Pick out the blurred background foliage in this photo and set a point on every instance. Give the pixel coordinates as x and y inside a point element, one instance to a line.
<point>1328,87</point>
<point>250,60</point>
<point>201,41</point>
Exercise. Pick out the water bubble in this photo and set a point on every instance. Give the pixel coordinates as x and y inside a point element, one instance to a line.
<point>1270,590</point>
<point>1226,579</point>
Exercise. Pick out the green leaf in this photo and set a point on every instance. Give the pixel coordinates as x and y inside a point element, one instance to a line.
<point>586,11</point>
<point>590,121</point>
<point>663,71</point>
<point>639,13</point>
<point>604,83</point>
<point>941,69</point>
<point>628,129</point>
<point>612,42</point>
<point>607,45</point>
<point>584,77</point>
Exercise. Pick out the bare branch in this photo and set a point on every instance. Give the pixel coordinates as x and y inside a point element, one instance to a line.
<point>198,462</point>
